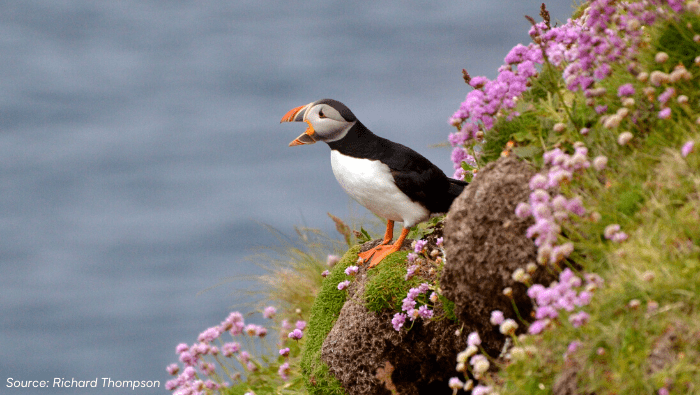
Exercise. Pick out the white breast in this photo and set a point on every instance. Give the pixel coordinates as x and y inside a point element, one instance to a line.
<point>371,184</point>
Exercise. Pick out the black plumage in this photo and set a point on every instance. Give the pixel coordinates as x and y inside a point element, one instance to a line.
<point>416,176</point>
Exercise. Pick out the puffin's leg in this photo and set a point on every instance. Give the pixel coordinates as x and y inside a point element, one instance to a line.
<point>388,236</point>
<point>385,250</point>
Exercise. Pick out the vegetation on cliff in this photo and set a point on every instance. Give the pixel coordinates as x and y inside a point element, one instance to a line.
<point>606,108</point>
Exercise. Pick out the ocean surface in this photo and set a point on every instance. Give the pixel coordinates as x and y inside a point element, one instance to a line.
<point>141,153</point>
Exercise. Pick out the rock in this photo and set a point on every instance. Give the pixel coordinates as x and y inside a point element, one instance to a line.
<point>361,343</point>
<point>484,243</point>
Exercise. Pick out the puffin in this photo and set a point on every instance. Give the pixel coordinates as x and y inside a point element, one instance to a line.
<point>389,179</point>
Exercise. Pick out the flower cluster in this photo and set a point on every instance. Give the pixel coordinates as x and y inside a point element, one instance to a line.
<point>409,307</point>
<point>490,99</point>
<point>567,294</point>
<point>349,271</point>
<point>198,355</point>
<point>583,49</point>
<point>613,232</point>
<point>549,212</point>
<point>607,33</point>
<point>298,332</point>
<point>471,361</point>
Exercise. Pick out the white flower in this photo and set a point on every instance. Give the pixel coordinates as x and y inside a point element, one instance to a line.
<point>661,57</point>
<point>624,138</point>
<point>508,327</point>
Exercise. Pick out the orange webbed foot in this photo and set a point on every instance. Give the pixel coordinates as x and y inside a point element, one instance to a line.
<point>365,256</point>
<point>382,253</point>
<point>388,236</point>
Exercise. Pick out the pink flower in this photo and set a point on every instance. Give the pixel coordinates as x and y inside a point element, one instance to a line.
<point>665,113</point>
<point>207,368</point>
<point>522,210</point>
<point>188,359</point>
<point>351,270</point>
<point>584,298</point>
<point>687,148</point>
<point>408,304</point>
<point>473,339</point>
<point>269,312</point>
<point>625,90</point>
<point>543,312</point>
<point>283,371</point>
<point>536,327</point>
<point>172,384</point>
<point>666,96</point>
<point>301,325</point>
<point>209,335</point>
<point>481,390</point>
<point>425,312</point>
<point>284,352</point>
<point>251,329</point>
<point>229,349</point>
<point>610,231</point>
<point>343,284</point>
<point>260,331</point>
<point>573,346</point>
<point>212,385</point>
<point>538,181</point>
<point>532,292</point>
<point>619,237</point>
<point>575,205</point>
<point>182,347</point>
<point>398,321</point>
<point>411,271</point>
<point>496,317</point>
<point>331,260</point>
<point>420,244</point>
<point>579,319</point>
<point>172,369</point>
<point>295,334</point>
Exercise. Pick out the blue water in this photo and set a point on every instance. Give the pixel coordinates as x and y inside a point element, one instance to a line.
<point>141,150</point>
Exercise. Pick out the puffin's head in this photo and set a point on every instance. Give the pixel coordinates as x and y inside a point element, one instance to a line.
<point>329,120</point>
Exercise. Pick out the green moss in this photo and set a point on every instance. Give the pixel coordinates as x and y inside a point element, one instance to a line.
<point>324,313</point>
<point>386,287</point>
<point>449,307</point>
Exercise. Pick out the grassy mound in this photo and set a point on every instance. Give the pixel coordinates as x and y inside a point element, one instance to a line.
<point>324,312</point>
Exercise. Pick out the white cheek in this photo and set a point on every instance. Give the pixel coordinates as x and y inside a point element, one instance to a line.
<point>333,130</point>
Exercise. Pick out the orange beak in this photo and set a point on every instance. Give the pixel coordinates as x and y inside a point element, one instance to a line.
<point>291,114</point>
<point>297,115</point>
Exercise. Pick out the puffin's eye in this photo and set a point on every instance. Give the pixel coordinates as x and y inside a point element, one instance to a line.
<point>320,114</point>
